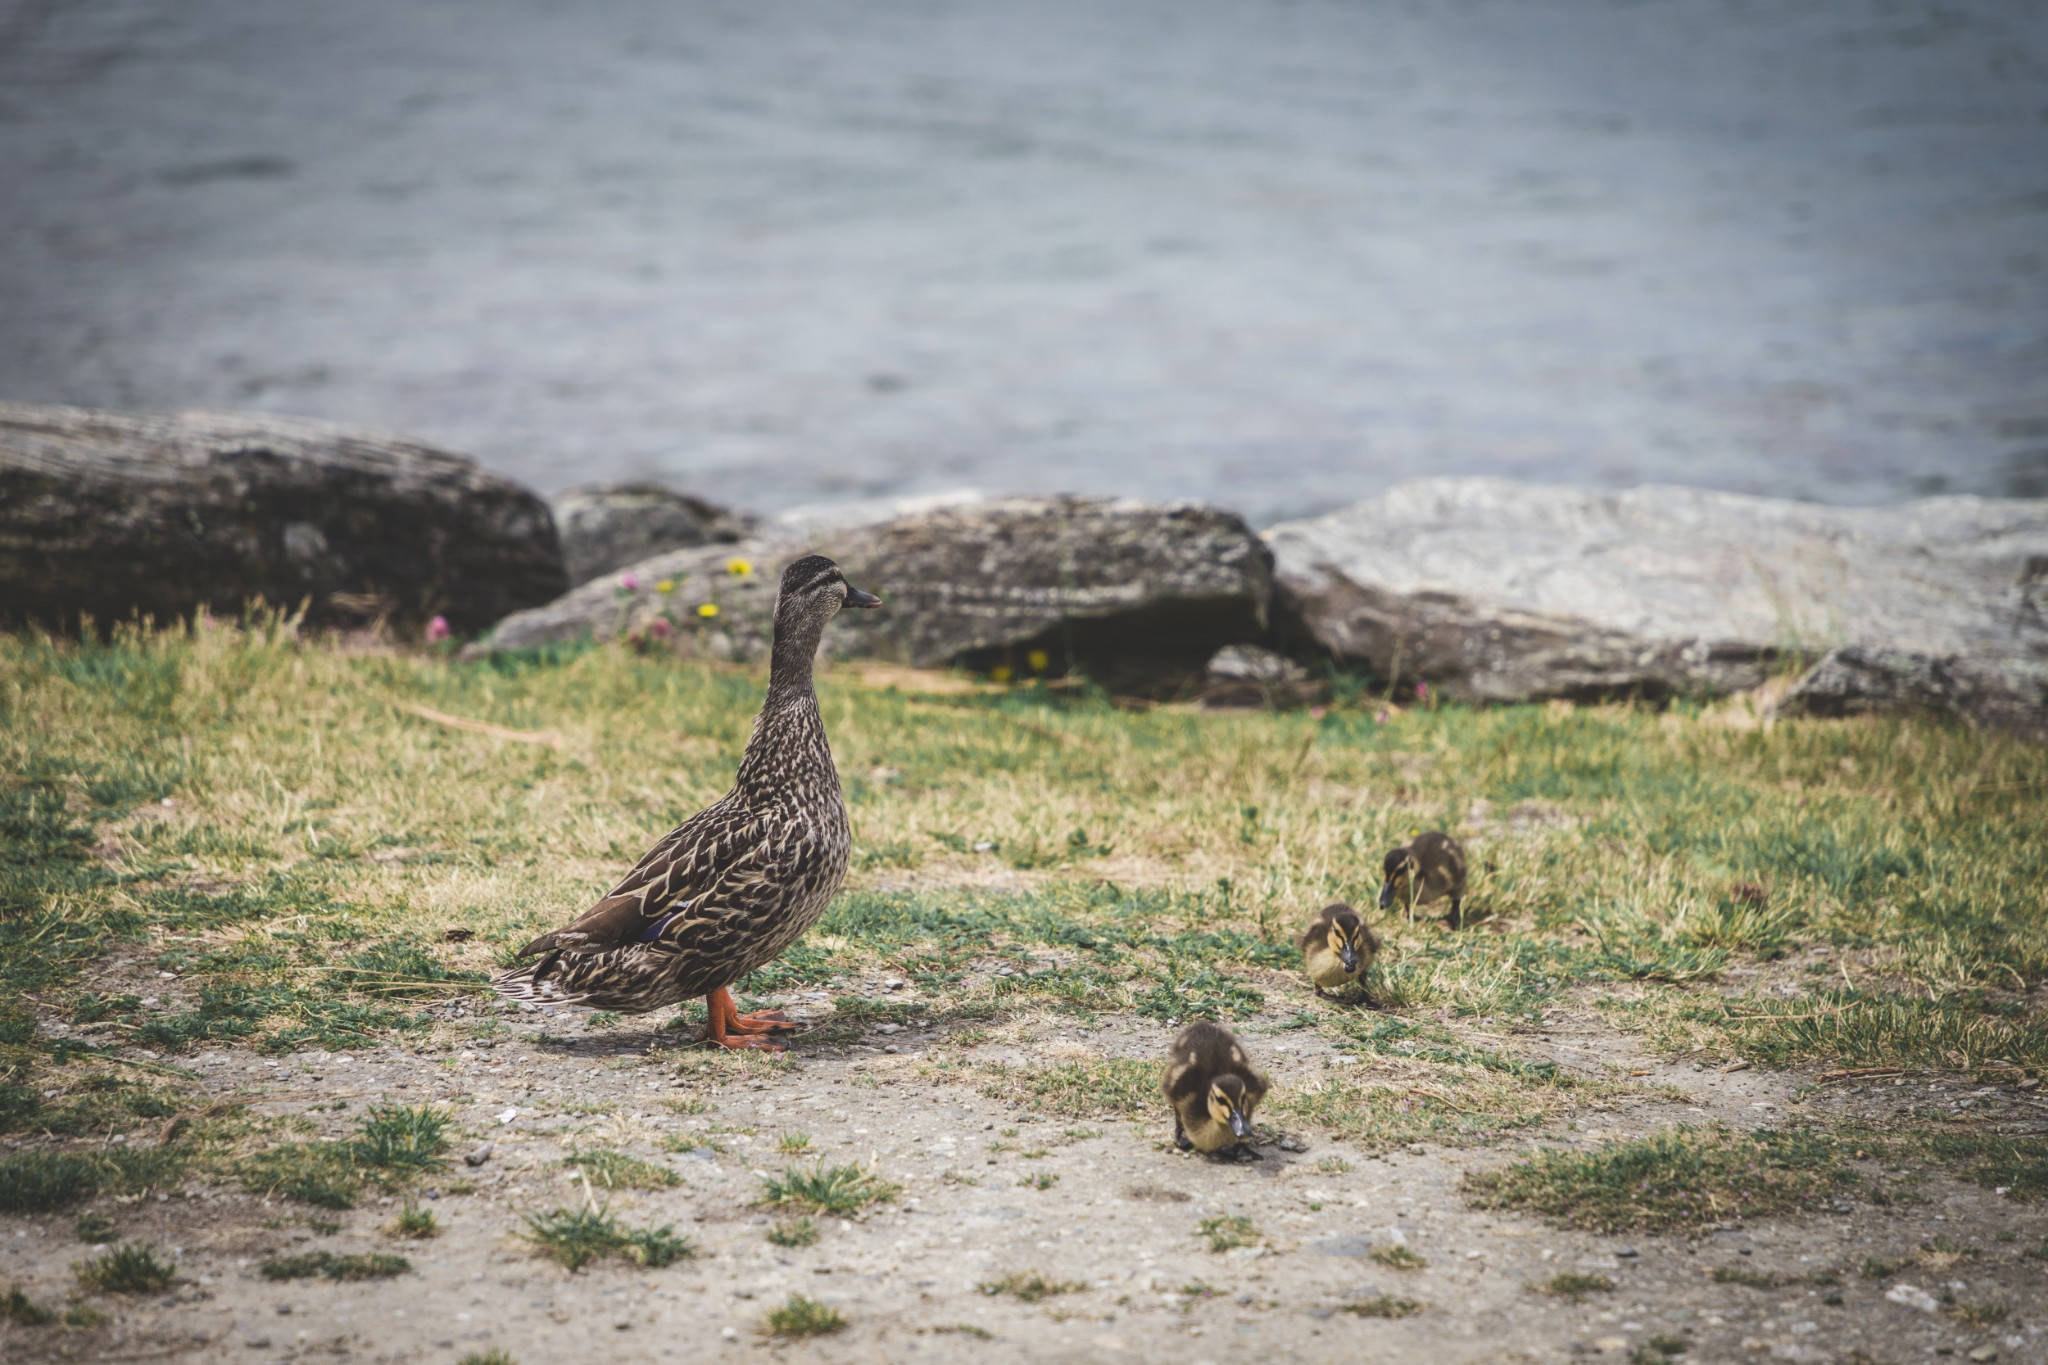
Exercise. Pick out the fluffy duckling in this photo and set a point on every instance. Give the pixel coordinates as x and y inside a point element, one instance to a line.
<point>1428,868</point>
<point>1337,948</point>
<point>1213,1090</point>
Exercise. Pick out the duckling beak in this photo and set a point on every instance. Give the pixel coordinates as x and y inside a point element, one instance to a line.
<point>865,601</point>
<point>1386,895</point>
<point>1350,957</point>
<point>1240,1126</point>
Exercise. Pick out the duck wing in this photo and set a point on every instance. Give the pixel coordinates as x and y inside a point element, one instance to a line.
<point>693,858</point>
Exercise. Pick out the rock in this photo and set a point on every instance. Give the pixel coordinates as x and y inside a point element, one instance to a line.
<point>1252,675</point>
<point>1356,1247</point>
<point>1137,594</point>
<point>479,1155</point>
<point>606,526</point>
<point>1912,1296</point>
<point>107,515</point>
<point>1488,590</point>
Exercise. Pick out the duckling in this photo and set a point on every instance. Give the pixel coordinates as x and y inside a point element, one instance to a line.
<point>1213,1090</point>
<point>735,884</point>
<point>1430,867</point>
<point>1337,948</point>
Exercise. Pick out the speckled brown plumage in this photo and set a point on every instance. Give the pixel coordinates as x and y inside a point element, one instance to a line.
<point>735,884</point>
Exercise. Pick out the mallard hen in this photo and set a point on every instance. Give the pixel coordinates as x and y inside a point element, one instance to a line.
<point>736,883</point>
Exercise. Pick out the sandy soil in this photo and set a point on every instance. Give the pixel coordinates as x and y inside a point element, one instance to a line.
<point>1121,1218</point>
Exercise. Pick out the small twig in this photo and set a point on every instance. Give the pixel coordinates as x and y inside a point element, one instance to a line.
<point>1854,1072</point>
<point>1735,1066</point>
<point>480,727</point>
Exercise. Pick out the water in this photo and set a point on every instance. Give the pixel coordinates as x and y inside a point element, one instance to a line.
<point>1274,253</point>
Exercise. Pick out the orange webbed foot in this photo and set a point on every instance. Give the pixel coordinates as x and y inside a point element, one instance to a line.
<point>726,1027</point>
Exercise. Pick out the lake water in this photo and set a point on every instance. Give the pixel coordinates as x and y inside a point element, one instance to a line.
<point>1277,254</point>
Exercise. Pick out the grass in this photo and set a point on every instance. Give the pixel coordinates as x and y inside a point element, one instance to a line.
<point>1227,1231</point>
<point>573,1238</point>
<point>1574,1285</point>
<point>1381,1306</point>
<point>794,1232</point>
<point>802,1317</point>
<point>1735,1274</point>
<point>1030,1287</point>
<point>416,1223</point>
<point>131,1268</point>
<point>16,1307</point>
<point>617,1171</point>
<point>1683,1180</point>
<point>793,1144</point>
<point>96,1228</point>
<point>838,1190</point>
<point>372,1265</point>
<point>1398,1258</point>
<point>1877,879</point>
<point>494,1356</point>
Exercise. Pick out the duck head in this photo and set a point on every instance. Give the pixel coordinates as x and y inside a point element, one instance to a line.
<point>1230,1105</point>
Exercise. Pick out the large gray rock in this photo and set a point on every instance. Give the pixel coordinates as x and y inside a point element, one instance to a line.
<point>1136,593</point>
<point>108,515</point>
<point>1492,590</point>
<point>606,526</point>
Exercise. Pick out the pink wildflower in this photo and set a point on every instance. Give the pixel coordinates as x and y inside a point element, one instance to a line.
<point>1422,691</point>
<point>1317,712</point>
<point>660,629</point>
<point>1380,718</point>
<point>437,630</point>
<point>629,582</point>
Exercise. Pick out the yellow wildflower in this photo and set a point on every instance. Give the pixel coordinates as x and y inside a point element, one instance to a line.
<point>739,568</point>
<point>1038,659</point>
<point>708,610</point>
<point>665,585</point>
<point>1000,673</point>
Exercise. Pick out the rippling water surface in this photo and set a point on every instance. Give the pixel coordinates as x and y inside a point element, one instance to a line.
<point>1275,253</point>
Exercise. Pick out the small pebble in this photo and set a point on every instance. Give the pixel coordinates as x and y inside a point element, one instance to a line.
<point>481,1154</point>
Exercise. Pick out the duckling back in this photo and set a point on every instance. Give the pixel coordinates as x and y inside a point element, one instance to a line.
<point>1212,1087</point>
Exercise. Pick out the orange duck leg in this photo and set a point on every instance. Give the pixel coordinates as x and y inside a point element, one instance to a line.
<point>725,1026</point>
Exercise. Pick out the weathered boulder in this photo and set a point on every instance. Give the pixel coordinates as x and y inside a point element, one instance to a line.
<point>107,515</point>
<point>1492,590</point>
<point>606,526</point>
<point>1138,594</point>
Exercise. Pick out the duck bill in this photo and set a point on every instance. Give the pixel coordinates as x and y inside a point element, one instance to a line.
<point>1386,895</point>
<point>1240,1126</point>
<point>862,601</point>
<point>1350,958</point>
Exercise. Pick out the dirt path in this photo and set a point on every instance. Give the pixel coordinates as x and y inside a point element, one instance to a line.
<point>1105,1205</point>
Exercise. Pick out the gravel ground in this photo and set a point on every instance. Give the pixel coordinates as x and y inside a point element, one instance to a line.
<point>1119,1219</point>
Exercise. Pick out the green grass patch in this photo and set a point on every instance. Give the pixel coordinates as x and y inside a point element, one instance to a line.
<point>1398,1258</point>
<point>18,1308</point>
<point>574,1238</point>
<point>36,1181</point>
<point>1381,1306</point>
<point>1574,1285</point>
<point>369,1265</point>
<point>611,1170</point>
<point>1684,1180</point>
<point>838,1190</point>
<point>1110,1088</point>
<point>1030,1287</point>
<point>794,1232</point>
<point>95,1228</point>
<point>802,1317</point>
<point>131,1268</point>
<point>1742,1275</point>
<point>1227,1231</point>
<point>415,1223</point>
